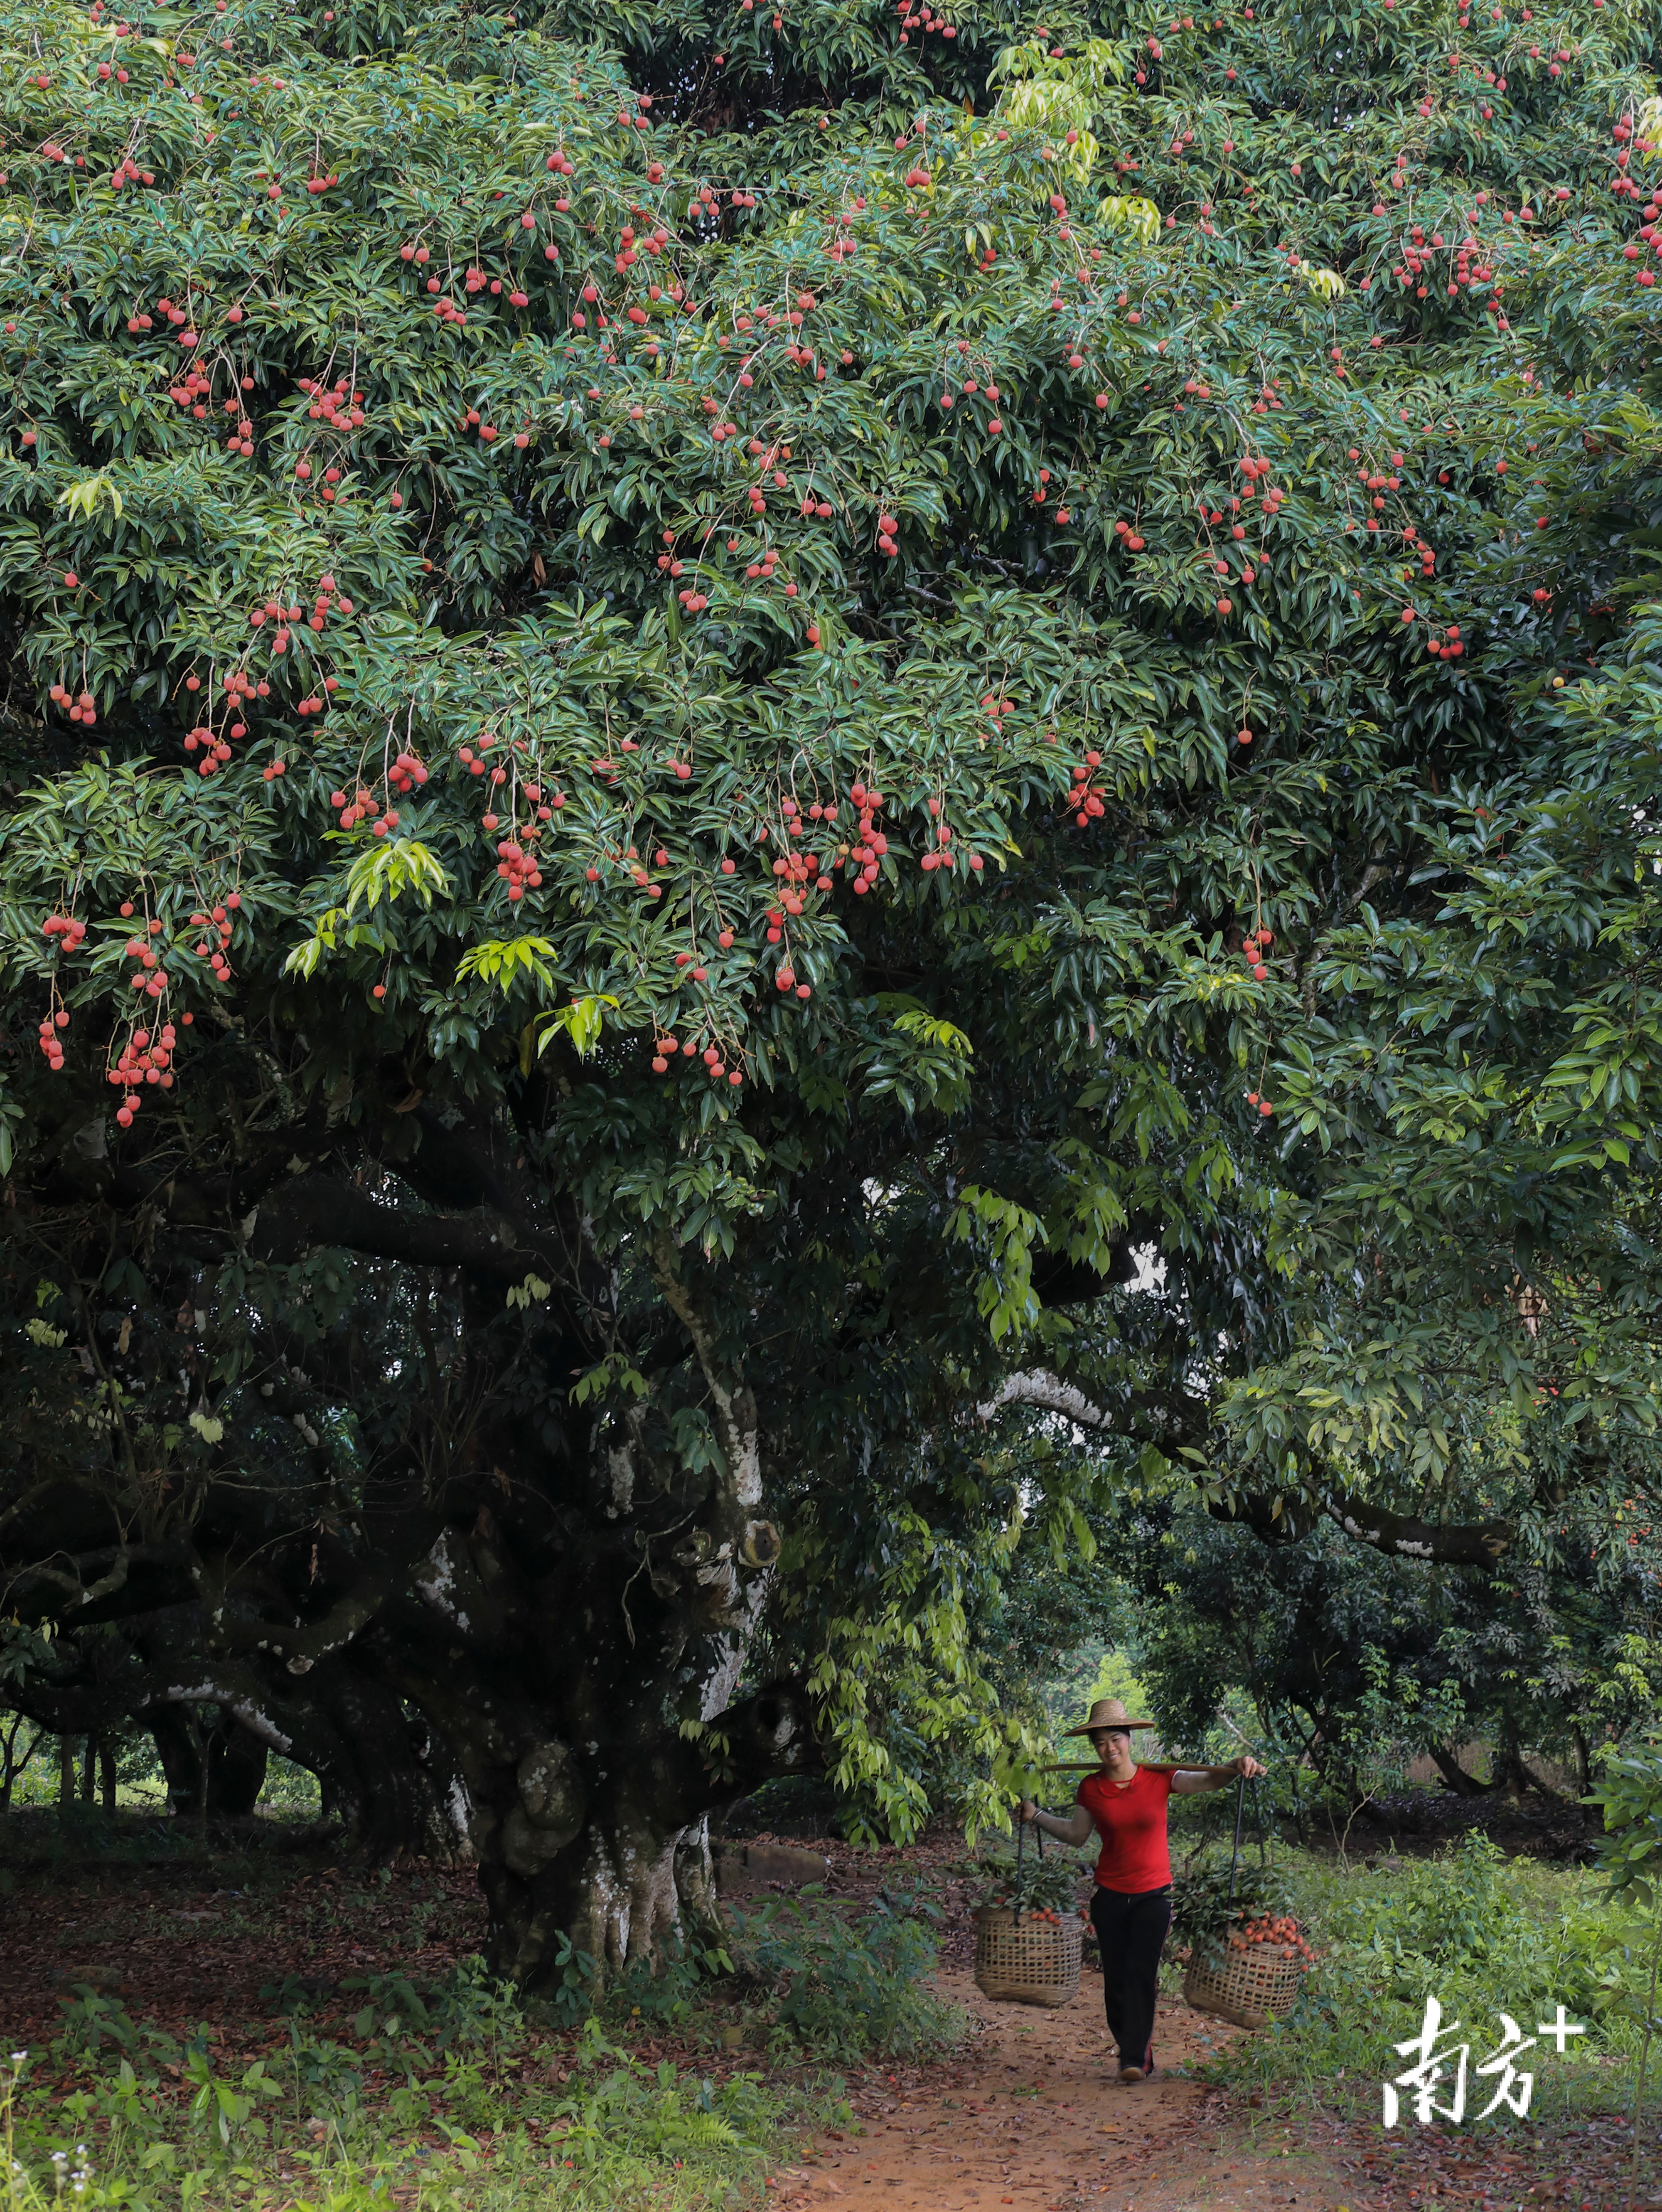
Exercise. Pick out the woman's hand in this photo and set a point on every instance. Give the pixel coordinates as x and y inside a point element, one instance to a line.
<point>1248,1768</point>
<point>1029,1810</point>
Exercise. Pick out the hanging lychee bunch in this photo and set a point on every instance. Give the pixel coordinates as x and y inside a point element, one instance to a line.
<point>360,804</point>
<point>148,975</point>
<point>82,707</point>
<point>406,772</point>
<point>1046,491</point>
<point>144,1059</point>
<point>1254,947</point>
<point>945,857</point>
<point>216,750</point>
<point>342,410</point>
<point>67,929</point>
<point>476,763</point>
<point>216,925</point>
<point>865,854</point>
<point>667,1050</point>
<point>51,1044</point>
<point>213,744</point>
<point>518,868</point>
<point>798,873</point>
<point>1254,470</point>
<point>1086,801</point>
<point>997,706</point>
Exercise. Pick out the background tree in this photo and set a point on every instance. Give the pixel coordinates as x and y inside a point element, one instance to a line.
<point>1554,1656</point>
<point>697,729</point>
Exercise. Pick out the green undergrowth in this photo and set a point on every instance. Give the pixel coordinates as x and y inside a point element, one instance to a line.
<point>796,1978</point>
<point>1482,1934</point>
<point>846,1989</point>
<point>382,2089</point>
<point>323,2122</point>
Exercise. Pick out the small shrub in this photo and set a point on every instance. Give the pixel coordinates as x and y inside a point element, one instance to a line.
<point>664,1991</point>
<point>844,1988</point>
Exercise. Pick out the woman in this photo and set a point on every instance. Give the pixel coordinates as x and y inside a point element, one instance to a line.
<point>1131,1904</point>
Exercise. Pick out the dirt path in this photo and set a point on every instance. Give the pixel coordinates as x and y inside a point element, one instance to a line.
<point>1031,2117</point>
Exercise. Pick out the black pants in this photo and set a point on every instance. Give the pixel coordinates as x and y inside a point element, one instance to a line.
<point>1131,1935</point>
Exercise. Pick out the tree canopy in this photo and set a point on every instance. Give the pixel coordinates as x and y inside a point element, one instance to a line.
<point>755,762</point>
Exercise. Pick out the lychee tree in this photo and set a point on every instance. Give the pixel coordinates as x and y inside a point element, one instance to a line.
<point>757,760</point>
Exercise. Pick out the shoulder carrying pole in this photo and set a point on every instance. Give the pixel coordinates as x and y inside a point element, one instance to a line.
<point>1144,1766</point>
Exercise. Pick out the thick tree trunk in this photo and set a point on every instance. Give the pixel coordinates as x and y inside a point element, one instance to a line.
<point>636,1873</point>
<point>1540,1783</point>
<point>1583,1760</point>
<point>10,1765</point>
<point>179,1755</point>
<point>1462,1784</point>
<point>236,1768</point>
<point>235,1761</point>
<point>616,1893</point>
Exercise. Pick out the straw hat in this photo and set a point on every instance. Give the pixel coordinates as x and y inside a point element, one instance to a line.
<point>1108,1713</point>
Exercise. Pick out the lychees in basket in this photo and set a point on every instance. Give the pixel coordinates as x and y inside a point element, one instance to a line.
<point>1032,1887</point>
<point>1247,1954</point>
<point>1281,1934</point>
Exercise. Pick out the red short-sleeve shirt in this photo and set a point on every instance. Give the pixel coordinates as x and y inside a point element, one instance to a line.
<point>1131,1822</point>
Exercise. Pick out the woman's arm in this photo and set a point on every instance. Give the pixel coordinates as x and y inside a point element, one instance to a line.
<point>1189,1781</point>
<point>1077,1829</point>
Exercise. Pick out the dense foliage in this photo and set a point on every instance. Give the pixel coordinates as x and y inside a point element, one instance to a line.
<point>730,752</point>
<point>1350,1665</point>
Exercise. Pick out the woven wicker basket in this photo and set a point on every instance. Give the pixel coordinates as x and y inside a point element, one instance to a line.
<point>1252,1986</point>
<point>1026,1961</point>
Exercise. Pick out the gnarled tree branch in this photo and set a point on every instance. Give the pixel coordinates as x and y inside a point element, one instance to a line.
<point>317,1210</point>
<point>1050,1394</point>
<point>1479,1544</point>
